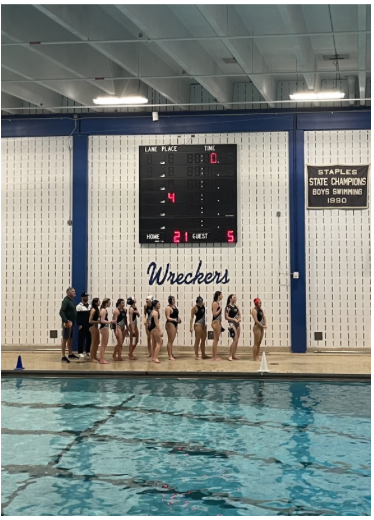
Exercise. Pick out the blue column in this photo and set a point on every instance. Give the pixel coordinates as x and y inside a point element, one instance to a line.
<point>80,219</point>
<point>297,240</point>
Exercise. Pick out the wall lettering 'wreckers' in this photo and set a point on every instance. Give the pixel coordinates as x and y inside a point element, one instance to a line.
<point>161,276</point>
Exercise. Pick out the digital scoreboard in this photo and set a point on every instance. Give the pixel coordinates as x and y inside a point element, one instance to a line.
<point>188,194</point>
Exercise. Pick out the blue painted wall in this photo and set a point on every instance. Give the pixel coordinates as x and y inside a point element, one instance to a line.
<point>84,125</point>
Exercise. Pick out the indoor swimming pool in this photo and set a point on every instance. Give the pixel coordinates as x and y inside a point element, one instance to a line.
<point>184,447</point>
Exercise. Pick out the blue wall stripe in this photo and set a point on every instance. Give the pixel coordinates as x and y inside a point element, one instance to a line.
<point>335,121</point>
<point>80,219</point>
<point>297,240</point>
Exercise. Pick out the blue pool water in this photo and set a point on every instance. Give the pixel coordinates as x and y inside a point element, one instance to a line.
<point>184,447</point>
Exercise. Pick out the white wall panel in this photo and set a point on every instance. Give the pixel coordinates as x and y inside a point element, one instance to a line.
<point>257,266</point>
<point>36,240</point>
<point>338,251</point>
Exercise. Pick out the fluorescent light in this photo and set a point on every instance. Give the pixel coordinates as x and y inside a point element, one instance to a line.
<point>128,100</point>
<point>310,96</point>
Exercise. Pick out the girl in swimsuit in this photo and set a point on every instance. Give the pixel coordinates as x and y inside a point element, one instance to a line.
<point>104,329</point>
<point>172,320</point>
<point>155,330</point>
<point>198,311</point>
<point>258,328</point>
<point>133,325</point>
<point>120,328</point>
<point>216,322</point>
<point>147,310</point>
<point>233,316</point>
<point>94,320</point>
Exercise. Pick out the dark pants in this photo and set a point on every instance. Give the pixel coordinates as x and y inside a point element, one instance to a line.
<point>84,335</point>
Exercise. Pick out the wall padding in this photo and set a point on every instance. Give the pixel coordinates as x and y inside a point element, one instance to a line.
<point>258,265</point>
<point>36,239</point>
<point>338,251</point>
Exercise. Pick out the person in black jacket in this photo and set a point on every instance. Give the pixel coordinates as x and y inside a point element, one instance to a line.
<point>84,335</point>
<point>68,313</point>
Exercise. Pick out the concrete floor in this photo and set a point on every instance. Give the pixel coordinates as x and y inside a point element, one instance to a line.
<point>278,362</point>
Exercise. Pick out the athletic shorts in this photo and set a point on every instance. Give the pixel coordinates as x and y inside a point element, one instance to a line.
<point>67,333</point>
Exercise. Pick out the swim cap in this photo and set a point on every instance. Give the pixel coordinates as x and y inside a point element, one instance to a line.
<point>154,303</point>
<point>256,300</point>
<point>150,297</point>
<point>130,301</point>
<point>199,299</point>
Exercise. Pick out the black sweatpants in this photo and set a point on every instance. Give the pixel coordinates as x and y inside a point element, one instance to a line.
<point>84,335</point>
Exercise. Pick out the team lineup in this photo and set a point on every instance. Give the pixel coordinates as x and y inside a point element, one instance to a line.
<point>94,325</point>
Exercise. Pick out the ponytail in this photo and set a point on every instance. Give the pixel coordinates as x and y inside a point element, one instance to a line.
<point>229,299</point>
<point>217,294</point>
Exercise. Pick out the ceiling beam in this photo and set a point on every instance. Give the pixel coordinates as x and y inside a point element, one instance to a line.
<point>294,22</point>
<point>158,20</point>
<point>28,66</point>
<point>182,39</point>
<point>8,102</point>
<point>245,52</point>
<point>96,21</point>
<point>361,50</point>
<point>35,94</point>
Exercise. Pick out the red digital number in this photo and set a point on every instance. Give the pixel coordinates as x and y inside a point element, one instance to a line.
<point>186,236</point>
<point>213,158</point>
<point>177,237</point>
<point>171,196</point>
<point>230,236</point>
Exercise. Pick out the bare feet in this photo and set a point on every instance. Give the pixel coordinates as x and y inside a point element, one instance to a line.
<point>198,357</point>
<point>149,355</point>
<point>204,356</point>
<point>230,358</point>
<point>216,359</point>
<point>172,358</point>
<point>103,362</point>
<point>156,360</point>
<point>133,358</point>
<point>234,357</point>
<point>258,358</point>
<point>94,360</point>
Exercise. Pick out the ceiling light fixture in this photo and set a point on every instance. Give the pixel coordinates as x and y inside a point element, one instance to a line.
<point>317,96</point>
<point>127,100</point>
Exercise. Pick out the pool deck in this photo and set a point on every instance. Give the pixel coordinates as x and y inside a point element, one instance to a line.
<point>281,364</point>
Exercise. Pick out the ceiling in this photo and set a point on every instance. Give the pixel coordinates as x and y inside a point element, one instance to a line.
<point>55,56</point>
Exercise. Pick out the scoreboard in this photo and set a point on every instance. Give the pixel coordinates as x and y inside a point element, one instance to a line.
<point>188,194</point>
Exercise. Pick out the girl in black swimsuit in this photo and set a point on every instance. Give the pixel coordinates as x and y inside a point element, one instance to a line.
<point>198,312</point>
<point>233,316</point>
<point>172,320</point>
<point>258,328</point>
<point>94,320</point>
<point>216,322</point>
<point>155,330</point>
<point>147,310</point>
<point>133,326</point>
<point>104,329</point>
<point>120,318</point>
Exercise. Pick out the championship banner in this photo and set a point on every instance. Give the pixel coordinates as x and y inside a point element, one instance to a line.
<point>339,187</point>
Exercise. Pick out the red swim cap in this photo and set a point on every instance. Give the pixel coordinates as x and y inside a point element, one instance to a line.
<point>256,300</point>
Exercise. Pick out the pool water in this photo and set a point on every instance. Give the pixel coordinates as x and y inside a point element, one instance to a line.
<point>184,447</point>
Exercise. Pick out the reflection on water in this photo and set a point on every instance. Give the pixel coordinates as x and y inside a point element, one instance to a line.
<point>178,447</point>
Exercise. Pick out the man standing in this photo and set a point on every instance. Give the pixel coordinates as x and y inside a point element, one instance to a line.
<point>68,314</point>
<point>84,334</point>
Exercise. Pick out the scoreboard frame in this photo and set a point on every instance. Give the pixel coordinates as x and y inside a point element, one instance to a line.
<point>188,194</point>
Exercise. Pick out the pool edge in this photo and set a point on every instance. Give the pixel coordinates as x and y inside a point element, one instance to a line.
<point>115,374</point>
